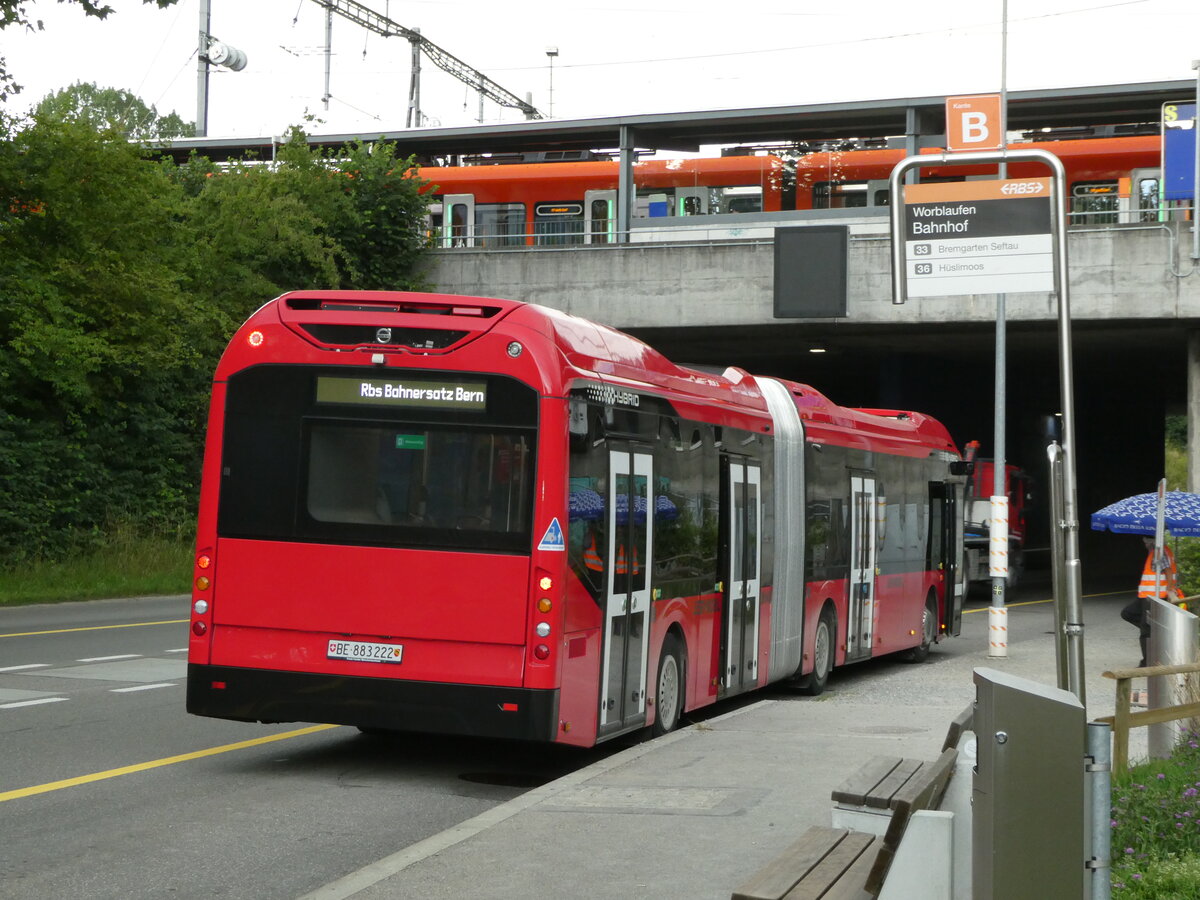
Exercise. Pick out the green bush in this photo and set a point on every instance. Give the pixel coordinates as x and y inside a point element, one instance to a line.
<point>122,278</point>
<point>1187,560</point>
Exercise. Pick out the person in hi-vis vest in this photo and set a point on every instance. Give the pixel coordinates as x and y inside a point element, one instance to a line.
<point>1162,583</point>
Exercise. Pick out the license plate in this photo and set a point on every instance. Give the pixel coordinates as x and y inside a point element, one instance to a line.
<point>363,651</point>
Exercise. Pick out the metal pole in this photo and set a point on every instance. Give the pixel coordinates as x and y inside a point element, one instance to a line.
<point>1054,452</point>
<point>328,52</point>
<point>1099,777</point>
<point>998,527</point>
<point>413,119</point>
<point>626,189</point>
<point>551,52</point>
<point>1073,574</point>
<point>202,71</point>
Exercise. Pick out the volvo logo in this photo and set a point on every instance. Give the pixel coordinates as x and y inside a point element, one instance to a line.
<point>383,336</point>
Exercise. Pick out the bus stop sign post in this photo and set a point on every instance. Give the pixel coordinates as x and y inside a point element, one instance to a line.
<point>991,272</point>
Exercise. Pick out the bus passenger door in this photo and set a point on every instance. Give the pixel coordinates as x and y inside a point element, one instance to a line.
<point>743,518</point>
<point>600,216</point>
<point>629,510</point>
<point>861,599</point>
<point>458,220</point>
<point>946,550</point>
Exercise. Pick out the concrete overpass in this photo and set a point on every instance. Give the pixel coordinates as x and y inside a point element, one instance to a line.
<point>703,296</point>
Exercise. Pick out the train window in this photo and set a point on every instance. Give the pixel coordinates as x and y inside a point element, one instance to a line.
<point>499,225</point>
<point>458,225</point>
<point>558,224</point>
<point>690,206</point>
<point>602,222</point>
<point>741,199</point>
<point>839,194</point>
<point>1146,195</point>
<point>1094,202</point>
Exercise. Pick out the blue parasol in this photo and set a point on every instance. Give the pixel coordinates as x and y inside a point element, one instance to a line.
<point>1135,515</point>
<point>585,504</point>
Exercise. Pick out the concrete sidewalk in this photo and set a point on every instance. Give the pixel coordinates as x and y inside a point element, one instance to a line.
<point>696,813</point>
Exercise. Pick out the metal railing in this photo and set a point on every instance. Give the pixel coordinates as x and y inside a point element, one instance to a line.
<point>1121,214</point>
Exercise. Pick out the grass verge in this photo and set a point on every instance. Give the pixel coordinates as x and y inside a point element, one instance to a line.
<point>1156,828</point>
<point>127,566</point>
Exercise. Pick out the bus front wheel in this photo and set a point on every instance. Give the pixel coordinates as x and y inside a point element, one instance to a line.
<point>929,623</point>
<point>668,694</point>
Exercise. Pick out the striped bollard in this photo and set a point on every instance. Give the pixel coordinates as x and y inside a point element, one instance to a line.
<point>998,568</point>
<point>997,631</point>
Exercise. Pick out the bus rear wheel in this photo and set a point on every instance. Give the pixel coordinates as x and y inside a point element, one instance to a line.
<point>668,694</point>
<point>823,643</point>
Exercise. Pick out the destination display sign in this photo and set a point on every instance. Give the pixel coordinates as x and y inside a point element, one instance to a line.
<point>978,237</point>
<point>423,393</point>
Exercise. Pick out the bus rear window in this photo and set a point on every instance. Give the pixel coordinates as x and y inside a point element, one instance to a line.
<point>303,460</point>
<point>418,478</point>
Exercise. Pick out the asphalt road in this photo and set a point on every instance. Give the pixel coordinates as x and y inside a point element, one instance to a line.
<point>108,788</point>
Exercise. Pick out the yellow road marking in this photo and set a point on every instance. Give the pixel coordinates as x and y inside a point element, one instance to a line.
<point>154,764</point>
<point>92,628</point>
<point>1025,602</point>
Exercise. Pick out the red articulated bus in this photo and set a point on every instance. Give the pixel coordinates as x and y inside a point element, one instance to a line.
<point>433,513</point>
<point>561,203</point>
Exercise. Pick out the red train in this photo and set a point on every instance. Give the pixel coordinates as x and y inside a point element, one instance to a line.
<point>557,203</point>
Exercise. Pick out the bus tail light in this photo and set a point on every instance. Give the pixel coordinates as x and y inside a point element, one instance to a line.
<point>541,651</point>
<point>202,596</point>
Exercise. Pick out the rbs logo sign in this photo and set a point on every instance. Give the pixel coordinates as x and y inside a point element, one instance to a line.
<point>974,123</point>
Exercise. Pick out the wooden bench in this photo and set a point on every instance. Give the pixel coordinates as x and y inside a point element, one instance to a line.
<point>846,863</point>
<point>824,859</point>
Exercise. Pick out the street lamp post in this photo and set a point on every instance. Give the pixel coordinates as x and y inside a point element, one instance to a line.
<point>551,52</point>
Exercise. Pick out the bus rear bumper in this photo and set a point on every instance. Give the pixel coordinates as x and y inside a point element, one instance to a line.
<point>264,695</point>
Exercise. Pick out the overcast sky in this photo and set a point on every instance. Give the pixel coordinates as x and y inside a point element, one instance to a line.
<point>616,58</point>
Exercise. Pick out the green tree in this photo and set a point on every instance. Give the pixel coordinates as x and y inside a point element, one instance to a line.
<point>99,377</point>
<point>122,278</point>
<point>112,109</point>
<point>384,234</point>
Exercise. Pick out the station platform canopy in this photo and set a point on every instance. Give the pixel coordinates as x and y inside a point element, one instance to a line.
<point>1060,109</point>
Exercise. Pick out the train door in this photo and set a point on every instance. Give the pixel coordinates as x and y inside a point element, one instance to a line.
<point>600,216</point>
<point>861,589</point>
<point>458,220</point>
<point>1143,196</point>
<point>743,524</point>
<point>691,201</point>
<point>630,513</point>
<point>946,550</point>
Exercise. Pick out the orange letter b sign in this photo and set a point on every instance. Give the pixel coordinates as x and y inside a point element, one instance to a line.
<point>974,123</point>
